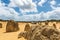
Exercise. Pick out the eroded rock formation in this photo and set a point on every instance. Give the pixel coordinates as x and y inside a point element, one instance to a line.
<point>0,25</point>
<point>12,26</point>
<point>27,27</point>
<point>41,33</point>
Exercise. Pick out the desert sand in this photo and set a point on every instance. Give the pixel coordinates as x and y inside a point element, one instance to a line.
<point>10,35</point>
<point>14,35</point>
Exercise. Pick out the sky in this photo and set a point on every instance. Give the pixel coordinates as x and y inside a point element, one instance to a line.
<point>29,10</point>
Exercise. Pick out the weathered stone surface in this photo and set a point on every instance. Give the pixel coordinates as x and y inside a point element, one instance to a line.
<point>26,35</point>
<point>12,26</point>
<point>27,27</point>
<point>22,34</point>
<point>46,34</point>
<point>0,25</point>
<point>41,33</point>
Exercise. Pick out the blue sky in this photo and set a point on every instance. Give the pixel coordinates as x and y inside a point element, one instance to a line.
<point>29,10</point>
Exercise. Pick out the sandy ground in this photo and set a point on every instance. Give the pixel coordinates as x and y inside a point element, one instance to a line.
<point>14,35</point>
<point>11,35</point>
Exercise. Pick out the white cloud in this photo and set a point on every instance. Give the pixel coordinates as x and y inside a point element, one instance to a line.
<point>24,5</point>
<point>12,4</point>
<point>55,14</point>
<point>41,2</point>
<point>53,2</point>
<point>1,4</point>
<point>8,13</point>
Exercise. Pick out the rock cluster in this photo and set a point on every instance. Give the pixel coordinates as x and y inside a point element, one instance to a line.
<point>41,33</point>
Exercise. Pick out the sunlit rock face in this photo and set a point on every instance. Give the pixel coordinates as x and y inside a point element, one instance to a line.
<point>0,25</point>
<point>39,32</point>
<point>27,27</point>
<point>12,26</point>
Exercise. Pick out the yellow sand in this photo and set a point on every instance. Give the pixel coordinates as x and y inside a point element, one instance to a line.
<point>14,35</point>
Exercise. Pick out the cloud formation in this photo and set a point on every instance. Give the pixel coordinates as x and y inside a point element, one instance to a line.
<point>8,13</point>
<point>55,14</point>
<point>24,5</point>
<point>28,6</point>
<point>42,2</point>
